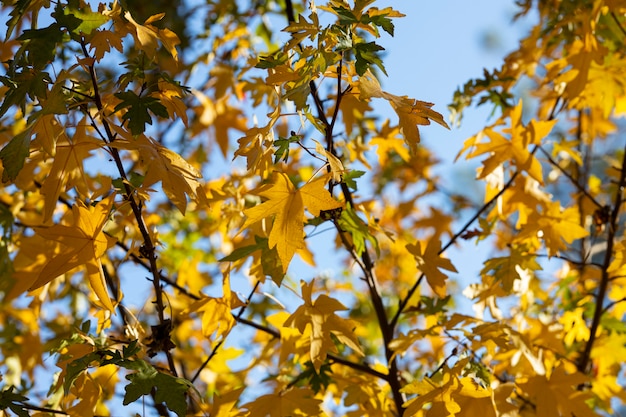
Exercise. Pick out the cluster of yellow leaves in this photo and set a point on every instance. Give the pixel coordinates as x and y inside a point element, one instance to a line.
<point>514,148</point>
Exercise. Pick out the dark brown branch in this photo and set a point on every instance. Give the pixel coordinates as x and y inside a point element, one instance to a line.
<point>42,409</point>
<point>583,363</point>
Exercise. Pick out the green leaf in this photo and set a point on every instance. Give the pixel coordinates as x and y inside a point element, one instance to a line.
<point>89,20</point>
<point>317,381</point>
<point>169,389</point>
<point>11,400</point>
<point>28,83</point>
<point>282,147</point>
<point>40,44</point>
<point>382,21</point>
<point>14,154</point>
<point>271,61</point>
<point>346,17</point>
<point>240,253</point>
<point>350,177</point>
<point>270,262</point>
<point>358,229</point>
<point>137,110</point>
<point>365,54</point>
<point>430,306</point>
<point>613,324</point>
<point>18,10</point>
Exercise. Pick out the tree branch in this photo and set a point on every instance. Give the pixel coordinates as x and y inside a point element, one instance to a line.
<point>148,245</point>
<point>583,363</point>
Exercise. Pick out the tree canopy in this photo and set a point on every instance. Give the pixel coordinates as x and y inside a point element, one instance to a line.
<point>176,174</point>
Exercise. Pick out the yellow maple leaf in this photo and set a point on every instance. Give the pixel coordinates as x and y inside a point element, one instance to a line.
<point>82,244</point>
<point>555,226</point>
<point>336,167</point>
<point>411,112</point>
<point>102,41</point>
<point>429,263</point>
<point>147,35</point>
<point>513,146</point>
<point>438,394</point>
<point>320,316</point>
<point>67,169</point>
<point>291,402</point>
<point>287,204</point>
<point>178,177</point>
<point>217,317</point>
<point>557,394</point>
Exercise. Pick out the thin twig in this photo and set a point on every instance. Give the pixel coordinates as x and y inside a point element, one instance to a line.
<point>403,303</point>
<point>575,183</point>
<point>221,342</point>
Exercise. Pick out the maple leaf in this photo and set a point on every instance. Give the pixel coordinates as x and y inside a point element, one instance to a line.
<point>102,41</point>
<point>14,154</point>
<point>557,394</point>
<point>502,149</point>
<point>67,169</point>
<point>178,177</point>
<point>287,204</point>
<point>336,167</point>
<point>217,317</point>
<point>137,110</point>
<point>411,112</point>
<point>507,269</point>
<point>166,388</point>
<point>555,226</point>
<point>147,35</point>
<point>83,244</point>
<point>320,315</point>
<point>429,263</point>
<point>298,402</point>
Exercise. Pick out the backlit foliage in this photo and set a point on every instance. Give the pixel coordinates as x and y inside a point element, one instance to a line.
<point>175,174</point>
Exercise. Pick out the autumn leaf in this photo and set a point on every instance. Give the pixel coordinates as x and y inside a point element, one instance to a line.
<point>513,145</point>
<point>294,402</point>
<point>287,205</point>
<point>217,317</point>
<point>67,169</point>
<point>177,176</point>
<point>411,112</point>
<point>147,35</point>
<point>429,262</point>
<point>320,316</point>
<point>336,167</point>
<point>557,394</point>
<point>555,226</point>
<point>82,244</point>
